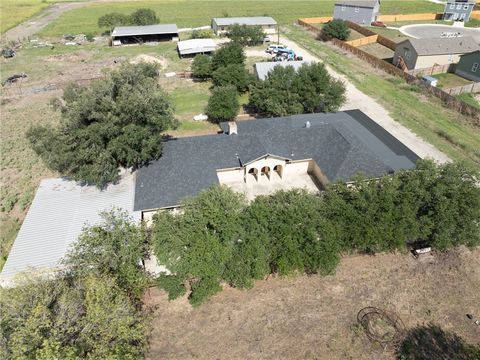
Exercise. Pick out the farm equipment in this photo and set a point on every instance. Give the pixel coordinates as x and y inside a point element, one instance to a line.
<point>287,55</point>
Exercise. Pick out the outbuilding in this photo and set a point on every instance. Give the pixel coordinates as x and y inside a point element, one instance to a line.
<point>358,11</point>
<point>196,46</point>
<point>141,34</point>
<point>222,25</point>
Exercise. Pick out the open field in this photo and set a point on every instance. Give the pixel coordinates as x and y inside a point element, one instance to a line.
<point>190,13</point>
<point>448,80</point>
<point>422,114</point>
<point>314,317</point>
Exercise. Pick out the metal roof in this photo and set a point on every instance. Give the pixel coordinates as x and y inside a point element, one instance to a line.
<point>263,68</point>
<point>443,46</point>
<point>359,3</point>
<point>196,46</point>
<point>255,20</point>
<point>55,219</point>
<point>158,29</point>
<point>342,144</point>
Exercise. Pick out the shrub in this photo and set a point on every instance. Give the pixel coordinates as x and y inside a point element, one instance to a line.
<point>201,34</point>
<point>174,286</point>
<point>202,66</point>
<point>223,105</point>
<point>230,53</point>
<point>336,29</point>
<point>114,122</point>
<point>234,75</point>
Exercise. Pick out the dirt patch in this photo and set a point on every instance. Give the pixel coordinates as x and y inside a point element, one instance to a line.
<point>314,317</point>
<point>149,59</point>
<point>80,56</point>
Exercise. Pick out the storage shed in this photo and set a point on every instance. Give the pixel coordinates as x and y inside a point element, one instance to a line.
<point>222,25</point>
<point>141,34</point>
<point>196,46</point>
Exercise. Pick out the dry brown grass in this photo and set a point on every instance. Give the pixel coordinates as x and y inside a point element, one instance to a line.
<point>314,317</point>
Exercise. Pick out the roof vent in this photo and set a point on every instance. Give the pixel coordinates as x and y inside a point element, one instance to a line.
<point>232,128</point>
<point>307,125</point>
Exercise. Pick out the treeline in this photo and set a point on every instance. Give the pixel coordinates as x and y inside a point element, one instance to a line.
<point>138,17</point>
<point>219,237</point>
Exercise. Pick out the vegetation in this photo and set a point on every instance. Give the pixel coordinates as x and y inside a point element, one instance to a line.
<point>229,54</point>
<point>235,75</point>
<point>87,312</point>
<point>115,122</point>
<point>219,237</point>
<point>287,92</point>
<point>336,29</point>
<point>201,34</point>
<point>138,17</point>
<point>449,80</point>
<point>470,99</point>
<point>223,105</point>
<point>202,66</point>
<point>246,35</point>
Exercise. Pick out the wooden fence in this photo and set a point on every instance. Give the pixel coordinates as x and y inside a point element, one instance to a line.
<point>470,88</point>
<point>475,14</point>
<point>363,41</point>
<point>448,100</point>
<point>410,17</point>
<point>382,40</point>
<point>436,69</point>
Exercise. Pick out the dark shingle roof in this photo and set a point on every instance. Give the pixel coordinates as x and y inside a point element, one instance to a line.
<point>342,144</point>
<point>441,46</point>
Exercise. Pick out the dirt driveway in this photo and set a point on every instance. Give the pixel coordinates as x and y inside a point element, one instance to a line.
<point>314,317</point>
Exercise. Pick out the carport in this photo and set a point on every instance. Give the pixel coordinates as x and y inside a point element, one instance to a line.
<point>141,34</point>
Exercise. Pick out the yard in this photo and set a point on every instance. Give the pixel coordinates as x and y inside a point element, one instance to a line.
<point>472,99</point>
<point>391,34</point>
<point>378,50</point>
<point>448,80</point>
<point>314,317</point>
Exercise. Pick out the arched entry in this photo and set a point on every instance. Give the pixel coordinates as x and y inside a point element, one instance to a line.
<point>253,173</point>
<point>278,169</point>
<point>266,171</point>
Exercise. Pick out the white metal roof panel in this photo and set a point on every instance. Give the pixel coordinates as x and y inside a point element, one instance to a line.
<point>255,20</point>
<point>158,29</point>
<point>195,46</point>
<point>56,218</point>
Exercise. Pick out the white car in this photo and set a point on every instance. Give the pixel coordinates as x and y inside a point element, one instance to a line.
<point>273,49</point>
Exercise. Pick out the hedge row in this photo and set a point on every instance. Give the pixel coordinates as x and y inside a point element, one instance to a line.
<point>219,237</point>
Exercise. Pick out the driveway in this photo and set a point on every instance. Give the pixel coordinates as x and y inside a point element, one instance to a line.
<point>422,31</point>
<point>358,100</point>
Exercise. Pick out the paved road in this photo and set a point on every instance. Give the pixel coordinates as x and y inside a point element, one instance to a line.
<point>358,100</point>
<point>421,31</point>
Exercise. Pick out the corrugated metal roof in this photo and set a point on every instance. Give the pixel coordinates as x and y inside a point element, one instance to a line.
<point>255,20</point>
<point>195,46</point>
<point>57,216</point>
<point>263,68</point>
<point>442,46</point>
<point>145,30</point>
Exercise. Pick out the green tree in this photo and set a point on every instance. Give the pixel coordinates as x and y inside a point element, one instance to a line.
<point>201,34</point>
<point>113,19</point>
<point>246,35</point>
<point>223,105</point>
<point>336,29</point>
<point>230,53</point>
<point>202,66</point>
<point>115,122</point>
<point>143,17</point>
<point>233,74</point>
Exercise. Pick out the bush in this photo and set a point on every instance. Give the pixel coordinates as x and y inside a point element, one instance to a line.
<point>114,122</point>
<point>223,105</point>
<point>287,92</point>
<point>174,286</point>
<point>230,53</point>
<point>138,17</point>
<point>201,34</point>
<point>336,29</point>
<point>234,75</point>
<point>202,66</point>
<point>144,17</point>
<point>246,35</point>
<point>113,19</point>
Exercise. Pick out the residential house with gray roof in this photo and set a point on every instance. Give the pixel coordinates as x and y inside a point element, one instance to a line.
<point>458,10</point>
<point>358,11</point>
<point>469,66</point>
<point>261,156</point>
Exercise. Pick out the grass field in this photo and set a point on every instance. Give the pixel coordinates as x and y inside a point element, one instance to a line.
<point>391,34</point>
<point>471,99</point>
<point>190,13</point>
<point>448,80</point>
<point>424,115</point>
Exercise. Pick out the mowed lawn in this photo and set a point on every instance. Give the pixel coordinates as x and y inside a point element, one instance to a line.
<point>190,13</point>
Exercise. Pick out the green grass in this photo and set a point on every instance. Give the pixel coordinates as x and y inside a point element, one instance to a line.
<point>469,98</point>
<point>415,22</point>
<point>422,114</point>
<point>190,99</point>
<point>448,80</point>
<point>190,13</point>
<point>391,34</point>
<point>473,23</point>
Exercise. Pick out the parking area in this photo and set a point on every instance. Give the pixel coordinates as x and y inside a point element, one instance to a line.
<point>421,31</point>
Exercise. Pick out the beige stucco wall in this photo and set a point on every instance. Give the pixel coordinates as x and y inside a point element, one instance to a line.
<point>270,162</point>
<point>226,176</point>
<point>429,61</point>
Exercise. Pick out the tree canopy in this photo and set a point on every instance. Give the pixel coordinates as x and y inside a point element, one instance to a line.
<point>223,104</point>
<point>228,54</point>
<point>202,66</point>
<point>287,92</point>
<point>336,28</point>
<point>246,35</point>
<point>140,16</point>
<point>115,122</point>
<point>235,75</point>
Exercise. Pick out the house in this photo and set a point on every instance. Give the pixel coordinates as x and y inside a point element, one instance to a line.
<point>196,46</point>
<point>357,11</point>
<point>469,66</point>
<point>261,156</point>
<point>222,25</point>
<point>263,68</point>
<point>58,213</point>
<point>425,53</point>
<point>458,10</point>
<point>141,34</point>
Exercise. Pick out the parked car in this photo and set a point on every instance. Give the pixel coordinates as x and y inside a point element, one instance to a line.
<point>267,39</point>
<point>378,24</point>
<point>273,49</point>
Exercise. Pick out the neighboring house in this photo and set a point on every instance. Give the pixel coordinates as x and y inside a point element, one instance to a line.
<point>56,218</point>
<point>469,66</point>
<point>222,25</point>
<point>261,156</point>
<point>263,68</point>
<point>141,34</point>
<point>360,12</point>
<point>458,10</point>
<point>425,53</point>
<point>196,46</point>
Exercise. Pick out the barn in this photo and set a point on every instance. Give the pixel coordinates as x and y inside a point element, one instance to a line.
<point>123,35</point>
<point>196,46</point>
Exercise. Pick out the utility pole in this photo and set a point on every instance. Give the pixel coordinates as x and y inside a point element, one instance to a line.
<point>278,34</point>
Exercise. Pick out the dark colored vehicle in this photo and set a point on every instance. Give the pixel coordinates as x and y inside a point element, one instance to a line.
<point>378,24</point>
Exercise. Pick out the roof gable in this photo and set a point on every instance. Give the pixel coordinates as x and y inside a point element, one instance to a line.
<point>442,46</point>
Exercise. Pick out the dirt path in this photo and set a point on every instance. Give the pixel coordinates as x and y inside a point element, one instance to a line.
<point>358,100</point>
